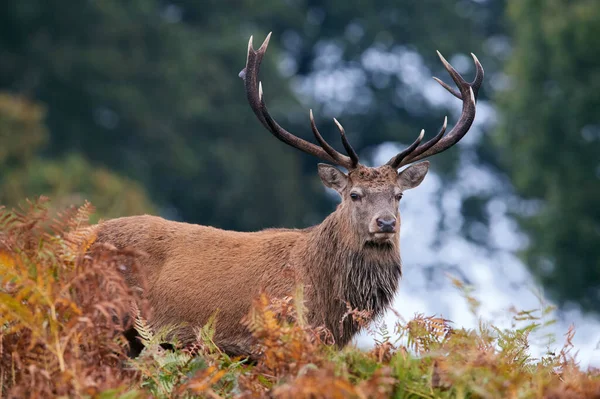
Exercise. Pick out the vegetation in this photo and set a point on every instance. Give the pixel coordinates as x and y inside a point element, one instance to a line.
<point>70,179</point>
<point>550,119</point>
<point>62,314</point>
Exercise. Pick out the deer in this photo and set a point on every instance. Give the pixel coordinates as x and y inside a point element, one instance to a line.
<point>351,259</point>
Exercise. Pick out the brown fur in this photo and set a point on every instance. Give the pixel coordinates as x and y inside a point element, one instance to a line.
<point>194,270</point>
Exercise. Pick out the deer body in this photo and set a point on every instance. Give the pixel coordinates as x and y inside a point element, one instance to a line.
<point>350,260</point>
<point>194,271</point>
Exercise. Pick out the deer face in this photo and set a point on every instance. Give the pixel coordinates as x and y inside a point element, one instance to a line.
<point>370,197</point>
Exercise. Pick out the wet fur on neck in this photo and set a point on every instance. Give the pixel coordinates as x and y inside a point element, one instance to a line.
<point>342,273</point>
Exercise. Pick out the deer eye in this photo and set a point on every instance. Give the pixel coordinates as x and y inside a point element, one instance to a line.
<point>354,196</point>
<point>398,197</point>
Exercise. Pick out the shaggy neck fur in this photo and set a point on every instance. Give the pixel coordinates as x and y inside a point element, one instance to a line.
<point>342,271</point>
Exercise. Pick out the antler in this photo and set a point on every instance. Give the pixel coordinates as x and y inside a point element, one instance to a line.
<point>255,96</point>
<point>468,94</point>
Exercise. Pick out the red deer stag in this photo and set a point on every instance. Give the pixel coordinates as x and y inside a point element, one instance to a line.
<point>351,258</point>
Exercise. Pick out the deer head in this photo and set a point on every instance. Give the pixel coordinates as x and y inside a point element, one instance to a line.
<point>370,195</point>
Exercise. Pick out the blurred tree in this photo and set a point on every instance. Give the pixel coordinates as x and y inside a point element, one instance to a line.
<point>550,131</point>
<point>22,130</point>
<point>67,182</point>
<point>128,86</point>
<point>73,180</point>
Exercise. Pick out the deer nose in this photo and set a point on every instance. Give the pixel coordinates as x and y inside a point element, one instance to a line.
<point>386,225</point>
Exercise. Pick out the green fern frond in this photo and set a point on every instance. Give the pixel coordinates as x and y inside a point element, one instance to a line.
<point>205,334</point>
<point>143,329</point>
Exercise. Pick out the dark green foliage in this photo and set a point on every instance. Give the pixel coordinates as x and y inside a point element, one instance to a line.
<point>70,180</point>
<point>22,119</point>
<point>550,133</point>
<point>157,101</point>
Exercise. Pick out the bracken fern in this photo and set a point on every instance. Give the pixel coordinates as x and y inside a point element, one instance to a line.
<point>64,306</point>
<point>62,310</point>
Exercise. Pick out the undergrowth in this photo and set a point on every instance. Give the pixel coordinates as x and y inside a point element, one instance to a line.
<point>63,311</point>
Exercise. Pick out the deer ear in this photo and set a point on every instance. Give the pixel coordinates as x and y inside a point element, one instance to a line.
<point>412,176</point>
<point>332,177</point>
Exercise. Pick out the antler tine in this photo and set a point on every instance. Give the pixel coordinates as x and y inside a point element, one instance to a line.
<point>255,96</point>
<point>453,74</point>
<point>446,86</point>
<point>476,83</point>
<point>395,161</point>
<point>250,76</point>
<point>328,148</point>
<point>467,92</point>
<point>353,155</point>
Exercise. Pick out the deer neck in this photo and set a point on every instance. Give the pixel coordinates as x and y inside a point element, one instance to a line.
<point>343,272</point>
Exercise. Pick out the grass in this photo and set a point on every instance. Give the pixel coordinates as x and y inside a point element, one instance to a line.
<point>63,312</point>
